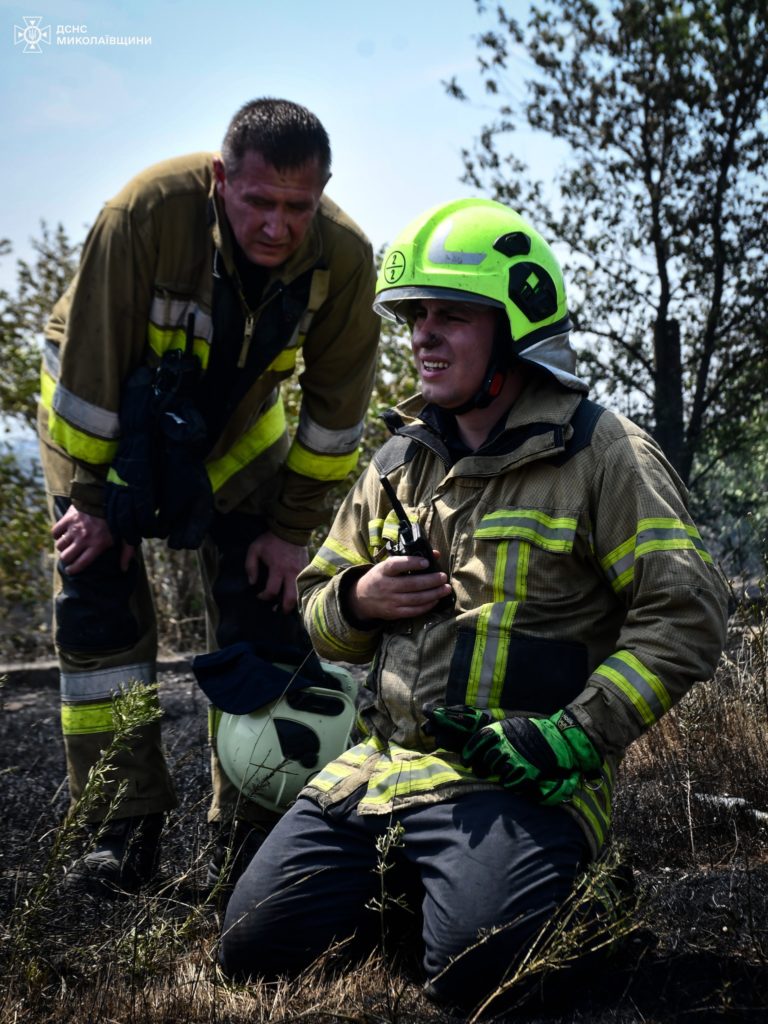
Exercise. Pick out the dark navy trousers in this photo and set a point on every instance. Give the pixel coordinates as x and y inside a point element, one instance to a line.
<point>484,873</point>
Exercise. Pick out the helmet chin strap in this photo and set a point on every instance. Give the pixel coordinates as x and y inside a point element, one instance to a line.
<point>494,376</point>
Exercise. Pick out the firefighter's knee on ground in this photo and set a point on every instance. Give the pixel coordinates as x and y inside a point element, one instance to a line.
<point>470,963</point>
<point>247,952</point>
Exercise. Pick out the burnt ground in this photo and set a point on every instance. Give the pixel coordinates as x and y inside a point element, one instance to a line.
<point>700,955</point>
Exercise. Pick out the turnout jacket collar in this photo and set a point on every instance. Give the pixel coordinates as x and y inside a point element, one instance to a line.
<point>538,425</point>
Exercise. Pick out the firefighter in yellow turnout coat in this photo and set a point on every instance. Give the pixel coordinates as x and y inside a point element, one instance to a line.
<point>571,603</point>
<point>199,286</point>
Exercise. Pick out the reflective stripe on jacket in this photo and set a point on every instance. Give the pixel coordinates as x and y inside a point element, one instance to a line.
<point>148,262</point>
<point>579,579</point>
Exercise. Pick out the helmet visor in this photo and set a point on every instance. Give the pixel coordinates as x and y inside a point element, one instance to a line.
<point>394,303</point>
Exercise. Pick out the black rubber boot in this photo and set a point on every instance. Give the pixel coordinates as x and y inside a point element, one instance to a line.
<point>124,856</point>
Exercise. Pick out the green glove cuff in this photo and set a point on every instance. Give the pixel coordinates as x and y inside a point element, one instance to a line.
<point>585,756</point>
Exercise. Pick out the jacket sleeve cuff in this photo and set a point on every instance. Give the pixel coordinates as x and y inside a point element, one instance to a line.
<point>347,580</point>
<point>333,632</point>
<point>299,537</point>
<point>88,497</point>
<point>606,724</point>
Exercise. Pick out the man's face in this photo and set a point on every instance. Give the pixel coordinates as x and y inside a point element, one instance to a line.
<point>269,211</point>
<point>451,344</point>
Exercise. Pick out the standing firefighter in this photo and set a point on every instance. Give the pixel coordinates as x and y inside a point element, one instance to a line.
<point>571,603</point>
<point>161,416</point>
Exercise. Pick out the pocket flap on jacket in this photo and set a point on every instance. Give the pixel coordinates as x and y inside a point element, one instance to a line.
<point>553,531</point>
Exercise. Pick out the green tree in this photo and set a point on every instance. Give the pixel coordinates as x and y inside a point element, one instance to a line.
<point>661,204</point>
<point>25,538</point>
<point>731,504</point>
<point>23,316</point>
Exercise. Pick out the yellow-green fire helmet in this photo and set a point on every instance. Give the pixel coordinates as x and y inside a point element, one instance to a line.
<point>478,250</point>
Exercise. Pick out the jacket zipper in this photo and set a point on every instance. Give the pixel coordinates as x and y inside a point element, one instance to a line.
<point>251,316</point>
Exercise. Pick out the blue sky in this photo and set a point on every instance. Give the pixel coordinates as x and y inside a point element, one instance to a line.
<point>78,120</point>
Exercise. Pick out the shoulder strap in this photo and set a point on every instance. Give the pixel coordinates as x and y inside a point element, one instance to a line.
<point>395,452</point>
<point>584,422</point>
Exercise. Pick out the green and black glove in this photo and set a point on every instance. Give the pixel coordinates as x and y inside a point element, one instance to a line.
<point>453,726</point>
<point>542,757</point>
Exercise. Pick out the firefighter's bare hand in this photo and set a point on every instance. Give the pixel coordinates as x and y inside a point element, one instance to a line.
<point>397,588</point>
<point>283,562</point>
<point>80,538</point>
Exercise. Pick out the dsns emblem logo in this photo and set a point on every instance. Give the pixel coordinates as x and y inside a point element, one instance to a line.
<point>32,35</point>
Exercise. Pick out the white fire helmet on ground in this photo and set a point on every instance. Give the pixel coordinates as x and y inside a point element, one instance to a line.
<point>270,754</point>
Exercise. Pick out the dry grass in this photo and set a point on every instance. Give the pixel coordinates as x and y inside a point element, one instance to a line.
<point>700,860</point>
<point>692,785</point>
<point>152,971</point>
